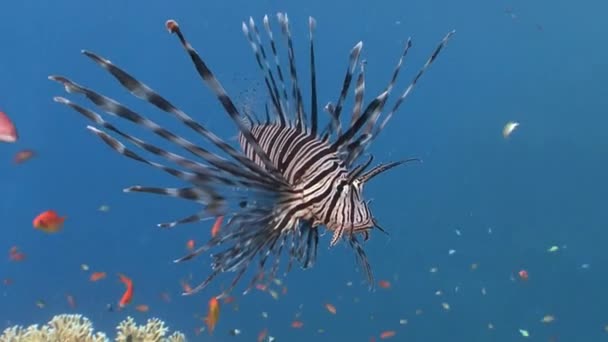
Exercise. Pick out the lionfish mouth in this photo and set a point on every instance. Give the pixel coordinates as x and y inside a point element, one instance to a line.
<point>285,147</point>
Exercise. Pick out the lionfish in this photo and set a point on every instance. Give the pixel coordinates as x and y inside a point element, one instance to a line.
<point>291,177</point>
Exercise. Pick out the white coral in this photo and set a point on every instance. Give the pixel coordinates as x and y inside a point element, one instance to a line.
<point>77,328</point>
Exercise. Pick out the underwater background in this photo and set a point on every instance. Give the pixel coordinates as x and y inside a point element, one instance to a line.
<point>499,204</point>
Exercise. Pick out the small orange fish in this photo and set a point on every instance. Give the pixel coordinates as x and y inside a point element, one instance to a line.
<point>213,314</point>
<point>142,308</point>
<point>23,156</point>
<point>186,287</point>
<point>49,222</point>
<point>71,301</point>
<point>128,294</point>
<point>385,284</point>
<point>95,276</point>
<point>297,324</point>
<point>15,255</point>
<point>216,226</point>
<point>262,335</point>
<point>190,245</point>
<point>388,334</point>
<point>523,275</point>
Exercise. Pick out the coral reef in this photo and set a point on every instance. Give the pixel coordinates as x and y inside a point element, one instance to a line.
<point>77,328</point>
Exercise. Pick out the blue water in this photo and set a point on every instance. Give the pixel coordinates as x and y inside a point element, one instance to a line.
<point>544,186</point>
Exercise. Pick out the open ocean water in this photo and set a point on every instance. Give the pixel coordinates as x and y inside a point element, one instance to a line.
<point>462,224</point>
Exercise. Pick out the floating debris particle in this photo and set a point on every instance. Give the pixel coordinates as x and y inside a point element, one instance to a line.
<point>403,321</point>
<point>509,128</point>
<point>84,267</point>
<point>524,333</point>
<point>320,330</point>
<point>40,303</point>
<point>445,306</point>
<point>434,270</point>
<point>457,232</point>
<point>418,312</point>
<point>104,208</point>
<point>451,251</point>
<point>274,294</point>
<point>483,291</point>
<point>350,283</point>
<point>553,249</point>
<point>330,308</point>
<point>264,314</point>
<point>234,332</point>
<point>438,293</point>
<point>490,326</point>
<point>474,266</point>
<point>547,319</point>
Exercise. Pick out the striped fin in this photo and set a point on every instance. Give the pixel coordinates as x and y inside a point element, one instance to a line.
<point>312,24</point>
<point>359,92</point>
<point>374,107</point>
<point>217,88</point>
<point>207,174</point>
<point>212,200</point>
<point>269,80</point>
<point>407,91</point>
<point>372,122</point>
<point>144,92</point>
<point>334,111</point>
<point>277,63</point>
<point>115,108</point>
<point>383,168</point>
<point>296,93</point>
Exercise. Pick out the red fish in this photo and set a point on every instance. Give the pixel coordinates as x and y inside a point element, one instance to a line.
<point>15,255</point>
<point>190,244</point>
<point>8,132</point>
<point>95,276</point>
<point>49,222</point>
<point>23,156</point>
<point>128,295</point>
<point>71,301</point>
<point>216,226</point>
<point>523,274</point>
<point>213,314</point>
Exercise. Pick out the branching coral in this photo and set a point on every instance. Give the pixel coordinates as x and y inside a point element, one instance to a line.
<point>153,331</point>
<point>77,328</point>
<point>62,328</point>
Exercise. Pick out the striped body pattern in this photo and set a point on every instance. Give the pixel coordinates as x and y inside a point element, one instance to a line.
<point>291,176</point>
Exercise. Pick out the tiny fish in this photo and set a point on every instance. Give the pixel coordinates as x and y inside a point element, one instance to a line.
<point>509,128</point>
